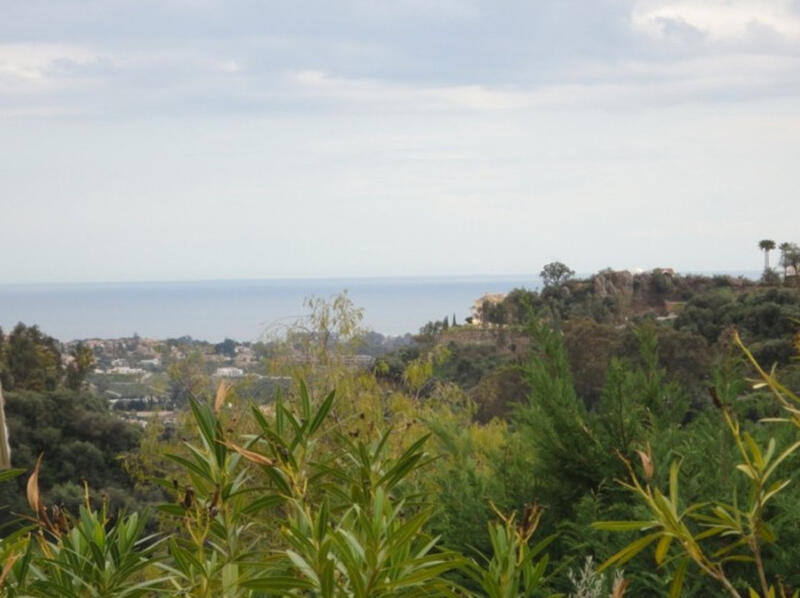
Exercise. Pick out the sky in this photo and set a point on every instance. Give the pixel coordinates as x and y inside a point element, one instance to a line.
<point>211,139</point>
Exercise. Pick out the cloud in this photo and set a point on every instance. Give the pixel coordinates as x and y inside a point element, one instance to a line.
<point>717,19</point>
<point>41,66</point>
<point>626,85</point>
<point>185,57</point>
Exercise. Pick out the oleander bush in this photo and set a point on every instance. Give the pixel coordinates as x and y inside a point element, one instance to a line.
<point>298,507</point>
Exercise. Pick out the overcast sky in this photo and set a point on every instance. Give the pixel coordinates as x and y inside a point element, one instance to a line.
<point>197,139</point>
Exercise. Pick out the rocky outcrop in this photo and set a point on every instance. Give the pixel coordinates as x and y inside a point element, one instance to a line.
<point>609,283</point>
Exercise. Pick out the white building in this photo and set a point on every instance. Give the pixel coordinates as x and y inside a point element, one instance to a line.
<point>229,372</point>
<point>124,369</point>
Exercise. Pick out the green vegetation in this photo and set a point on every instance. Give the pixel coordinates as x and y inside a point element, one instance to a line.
<point>81,440</point>
<point>716,534</point>
<point>30,360</point>
<point>626,434</point>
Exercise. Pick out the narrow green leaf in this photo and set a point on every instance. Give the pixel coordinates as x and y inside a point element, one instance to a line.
<point>630,551</point>
<point>755,451</point>
<point>676,587</point>
<point>622,526</point>
<point>673,484</point>
<point>303,566</point>
<point>747,470</point>
<point>305,401</point>
<point>791,449</point>
<point>322,412</point>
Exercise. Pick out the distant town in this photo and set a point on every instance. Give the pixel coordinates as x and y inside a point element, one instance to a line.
<point>141,377</point>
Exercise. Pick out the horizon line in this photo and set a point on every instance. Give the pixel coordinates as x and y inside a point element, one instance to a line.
<point>532,276</point>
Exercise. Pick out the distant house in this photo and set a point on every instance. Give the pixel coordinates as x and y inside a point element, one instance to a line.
<point>477,307</point>
<point>244,356</point>
<point>229,372</point>
<point>125,370</point>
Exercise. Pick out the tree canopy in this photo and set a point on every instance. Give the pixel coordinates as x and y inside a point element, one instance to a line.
<point>555,274</point>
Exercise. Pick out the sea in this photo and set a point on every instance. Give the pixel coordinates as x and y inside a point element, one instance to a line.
<point>244,310</point>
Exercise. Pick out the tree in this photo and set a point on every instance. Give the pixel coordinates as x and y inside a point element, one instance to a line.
<point>555,274</point>
<point>786,250</point>
<point>790,258</point>
<point>31,360</point>
<point>188,377</point>
<point>320,344</point>
<point>79,367</point>
<point>330,322</point>
<point>429,332</point>
<point>81,440</point>
<point>492,312</point>
<point>766,245</point>
<point>226,347</point>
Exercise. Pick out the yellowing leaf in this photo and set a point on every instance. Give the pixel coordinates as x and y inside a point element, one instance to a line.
<point>662,548</point>
<point>32,489</point>
<point>222,394</point>
<point>647,463</point>
<point>251,456</point>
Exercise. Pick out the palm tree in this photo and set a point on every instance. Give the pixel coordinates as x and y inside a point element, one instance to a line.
<point>766,245</point>
<point>785,248</point>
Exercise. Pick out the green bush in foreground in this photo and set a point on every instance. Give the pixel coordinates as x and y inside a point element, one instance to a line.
<point>715,535</point>
<point>298,508</point>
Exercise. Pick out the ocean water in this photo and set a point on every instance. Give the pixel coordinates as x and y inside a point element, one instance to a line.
<point>239,309</point>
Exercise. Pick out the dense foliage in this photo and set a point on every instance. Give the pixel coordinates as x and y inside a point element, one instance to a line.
<point>81,441</point>
<point>618,422</point>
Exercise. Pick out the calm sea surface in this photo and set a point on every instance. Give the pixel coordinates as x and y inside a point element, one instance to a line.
<point>241,309</point>
<point>213,310</point>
